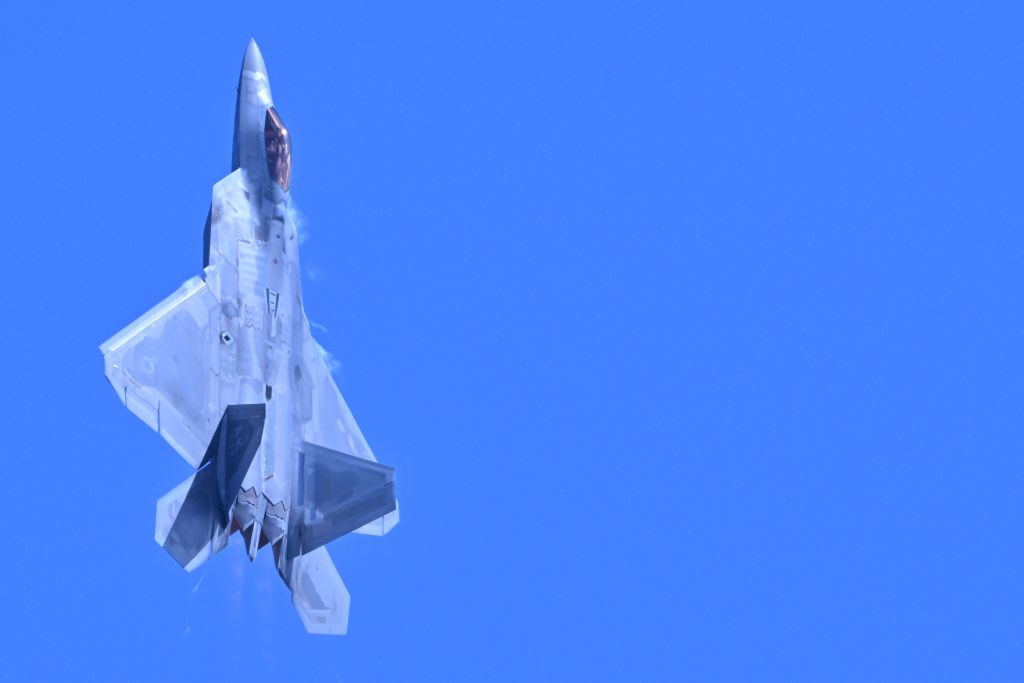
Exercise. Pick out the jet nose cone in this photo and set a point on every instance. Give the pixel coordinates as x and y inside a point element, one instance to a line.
<point>253,59</point>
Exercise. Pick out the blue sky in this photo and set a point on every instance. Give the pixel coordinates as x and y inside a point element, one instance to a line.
<point>693,333</point>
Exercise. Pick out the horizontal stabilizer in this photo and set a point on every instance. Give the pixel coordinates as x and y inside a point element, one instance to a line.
<point>319,594</point>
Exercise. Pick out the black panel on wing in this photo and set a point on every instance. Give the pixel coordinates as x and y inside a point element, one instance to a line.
<point>337,493</point>
<point>213,491</point>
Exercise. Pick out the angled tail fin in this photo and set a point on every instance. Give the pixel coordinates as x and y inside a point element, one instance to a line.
<point>192,519</point>
<point>337,493</point>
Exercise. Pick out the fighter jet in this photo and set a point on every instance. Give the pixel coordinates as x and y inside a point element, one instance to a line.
<point>226,371</point>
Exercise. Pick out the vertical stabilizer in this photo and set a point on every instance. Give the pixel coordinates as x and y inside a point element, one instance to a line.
<point>196,512</point>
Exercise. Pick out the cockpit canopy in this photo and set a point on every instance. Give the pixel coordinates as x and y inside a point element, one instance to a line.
<point>279,149</point>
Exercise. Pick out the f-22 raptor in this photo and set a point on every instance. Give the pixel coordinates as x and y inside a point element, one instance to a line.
<point>225,369</point>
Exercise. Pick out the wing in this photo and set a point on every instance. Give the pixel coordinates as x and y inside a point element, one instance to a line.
<point>164,368</point>
<point>327,421</point>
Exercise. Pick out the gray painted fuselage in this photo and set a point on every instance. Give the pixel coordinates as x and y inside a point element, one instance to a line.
<point>240,337</point>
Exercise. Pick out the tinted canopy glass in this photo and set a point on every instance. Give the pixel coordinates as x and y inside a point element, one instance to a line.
<point>279,149</point>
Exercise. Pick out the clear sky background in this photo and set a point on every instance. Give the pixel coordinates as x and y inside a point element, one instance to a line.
<point>694,333</point>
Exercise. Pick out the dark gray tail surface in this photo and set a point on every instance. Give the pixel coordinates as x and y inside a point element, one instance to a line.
<point>337,493</point>
<point>204,512</point>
